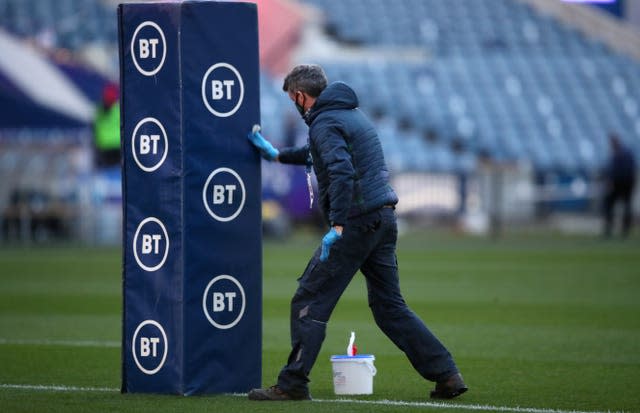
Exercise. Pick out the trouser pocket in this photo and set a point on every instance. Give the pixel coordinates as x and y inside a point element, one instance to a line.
<point>315,275</point>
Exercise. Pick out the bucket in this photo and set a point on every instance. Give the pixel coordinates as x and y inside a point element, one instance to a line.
<point>353,374</point>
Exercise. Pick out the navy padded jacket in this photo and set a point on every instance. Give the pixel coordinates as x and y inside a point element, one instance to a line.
<point>346,155</point>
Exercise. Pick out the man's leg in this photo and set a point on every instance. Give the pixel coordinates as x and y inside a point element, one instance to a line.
<point>627,214</point>
<point>407,331</point>
<point>310,309</point>
<point>320,287</point>
<point>607,209</point>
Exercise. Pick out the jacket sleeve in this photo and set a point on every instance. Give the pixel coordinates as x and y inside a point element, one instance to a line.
<point>335,156</point>
<point>295,156</point>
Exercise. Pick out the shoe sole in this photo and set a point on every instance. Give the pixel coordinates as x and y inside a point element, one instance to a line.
<point>261,397</point>
<point>454,394</point>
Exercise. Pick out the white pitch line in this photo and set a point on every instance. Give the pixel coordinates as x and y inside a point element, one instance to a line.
<point>442,405</point>
<point>457,406</point>
<point>39,387</point>
<point>63,343</point>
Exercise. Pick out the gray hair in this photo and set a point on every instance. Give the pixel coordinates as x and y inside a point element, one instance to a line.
<point>309,79</point>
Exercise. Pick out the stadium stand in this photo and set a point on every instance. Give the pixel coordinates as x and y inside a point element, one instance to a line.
<point>503,80</point>
<point>510,81</point>
<point>40,197</point>
<point>68,24</point>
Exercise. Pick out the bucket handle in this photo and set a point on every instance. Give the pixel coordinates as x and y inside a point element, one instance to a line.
<point>370,365</point>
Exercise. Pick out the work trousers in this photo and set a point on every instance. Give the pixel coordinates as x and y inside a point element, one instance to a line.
<point>368,244</point>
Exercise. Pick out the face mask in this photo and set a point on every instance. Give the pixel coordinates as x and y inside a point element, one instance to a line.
<point>300,107</point>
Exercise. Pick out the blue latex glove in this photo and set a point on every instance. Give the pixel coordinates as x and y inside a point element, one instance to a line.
<point>329,239</point>
<point>267,150</point>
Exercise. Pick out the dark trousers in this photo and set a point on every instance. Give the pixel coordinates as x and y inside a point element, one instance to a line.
<point>622,192</point>
<point>107,157</point>
<point>368,244</point>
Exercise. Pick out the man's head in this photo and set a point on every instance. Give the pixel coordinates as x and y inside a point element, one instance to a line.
<point>303,84</point>
<point>109,95</point>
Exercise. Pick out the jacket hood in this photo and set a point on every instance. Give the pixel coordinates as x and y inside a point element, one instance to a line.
<point>337,95</point>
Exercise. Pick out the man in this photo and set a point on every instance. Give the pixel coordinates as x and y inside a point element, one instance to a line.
<point>620,180</point>
<point>106,128</point>
<point>358,203</point>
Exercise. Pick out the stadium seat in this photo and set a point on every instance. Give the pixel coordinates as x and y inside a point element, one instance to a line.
<point>501,73</point>
<point>501,78</point>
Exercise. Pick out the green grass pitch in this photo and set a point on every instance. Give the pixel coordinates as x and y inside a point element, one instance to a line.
<point>539,322</point>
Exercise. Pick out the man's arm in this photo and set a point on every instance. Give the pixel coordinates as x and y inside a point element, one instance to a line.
<point>294,156</point>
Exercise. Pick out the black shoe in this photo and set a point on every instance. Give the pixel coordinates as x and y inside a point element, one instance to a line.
<point>452,387</point>
<point>274,393</point>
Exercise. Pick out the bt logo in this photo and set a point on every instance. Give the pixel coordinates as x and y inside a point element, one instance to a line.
<point>222,90</point>
<point>224,194</point>
<point>224,302</point>
<point>148,48</point>
<point>149,346</point>
<point>151,244</point>
<point>149,144</point>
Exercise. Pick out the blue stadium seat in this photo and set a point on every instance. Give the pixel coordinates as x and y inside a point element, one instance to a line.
<point>501,78</point>
<point>507,71</point>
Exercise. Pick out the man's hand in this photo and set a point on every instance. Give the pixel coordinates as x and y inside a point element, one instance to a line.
<point>334,234</point>
<point>267,150</point>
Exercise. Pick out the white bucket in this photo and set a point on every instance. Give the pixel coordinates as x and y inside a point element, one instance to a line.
<point>353,374</point>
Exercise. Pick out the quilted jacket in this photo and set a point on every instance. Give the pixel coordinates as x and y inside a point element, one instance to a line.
<point>346,155</point>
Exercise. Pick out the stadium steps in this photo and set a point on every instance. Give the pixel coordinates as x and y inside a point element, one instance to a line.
<point>613,32</point>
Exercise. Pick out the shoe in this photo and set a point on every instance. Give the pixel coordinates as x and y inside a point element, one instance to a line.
<point>274,393</point>
<point>452,387</point>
